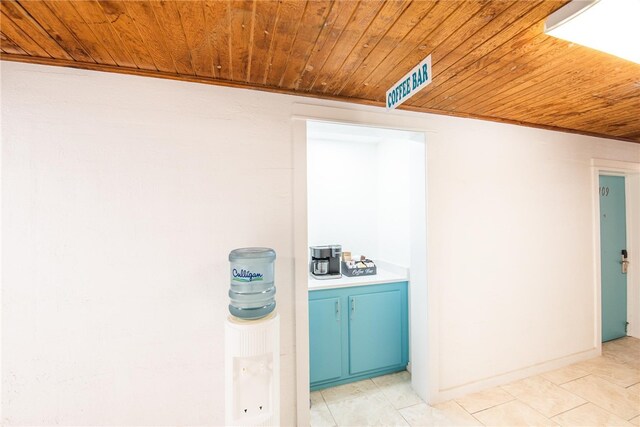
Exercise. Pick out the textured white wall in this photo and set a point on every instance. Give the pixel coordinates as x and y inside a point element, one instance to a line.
<point>122,196</point>
<point>511,243</point>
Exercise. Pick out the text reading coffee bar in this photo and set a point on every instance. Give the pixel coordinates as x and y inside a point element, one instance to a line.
<point>410,84</point>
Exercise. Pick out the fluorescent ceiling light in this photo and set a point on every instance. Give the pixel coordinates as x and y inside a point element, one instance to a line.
<point>611,26</point>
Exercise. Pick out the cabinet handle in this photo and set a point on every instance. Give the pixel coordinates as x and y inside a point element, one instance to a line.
<point>338,310</point>
<point>353,307</point>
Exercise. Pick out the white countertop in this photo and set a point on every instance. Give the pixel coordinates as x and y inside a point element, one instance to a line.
<point>387,273</point>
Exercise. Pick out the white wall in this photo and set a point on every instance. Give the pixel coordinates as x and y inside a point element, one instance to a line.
<point>123,195</point>
<point>510,223</point>
<point>394,209</point>
<point>343,195</point>
<point>122,198</point>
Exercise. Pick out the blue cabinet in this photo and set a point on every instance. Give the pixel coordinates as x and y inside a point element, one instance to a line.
<point>357,332</point>
<point>375,331</point>
<point>325,343</point>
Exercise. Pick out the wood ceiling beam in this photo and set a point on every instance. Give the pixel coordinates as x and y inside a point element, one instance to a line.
<point>67,14</point>
<point>385,19</point>
<point>311,25</point>
<point>337,21</point>
<point>95,18</point>
<point>241,19</point>
<point>30,26</point>
<point>291,12</point>
<point>566,86</point>
<point>389,73</point>
<point>13,32</point>
<point>151,34</point>
<point>171,31</point>
<point>476,52</point>
<point>7,45</point>
<point>125,29</point>
<point>395,36</point>
<point>519,86</point>
<point>40,13</point>
<point>364,15</point>
<point>551,107</point>
<point>266,17</point>
<point>518,56</point>
<point>192,20</point>
<point>217,21</point>
<point>382,63</point>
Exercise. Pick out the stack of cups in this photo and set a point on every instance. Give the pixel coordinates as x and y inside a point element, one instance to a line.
<point>252,291</point>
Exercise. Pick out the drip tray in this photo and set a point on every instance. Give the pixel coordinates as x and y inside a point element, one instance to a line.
<point>326,276</point>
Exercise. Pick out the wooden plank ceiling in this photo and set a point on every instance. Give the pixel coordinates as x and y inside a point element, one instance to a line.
<point>491,59</point>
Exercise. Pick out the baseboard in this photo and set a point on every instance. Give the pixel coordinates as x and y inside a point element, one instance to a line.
<point>458,391</point>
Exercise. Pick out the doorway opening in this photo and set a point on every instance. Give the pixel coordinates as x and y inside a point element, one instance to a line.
<point>365,192</point>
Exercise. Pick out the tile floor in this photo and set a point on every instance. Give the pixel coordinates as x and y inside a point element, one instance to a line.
<point>604,391</point>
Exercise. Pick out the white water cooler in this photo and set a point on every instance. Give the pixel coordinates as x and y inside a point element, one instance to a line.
<point>252,341</point>
<point>252,378</point>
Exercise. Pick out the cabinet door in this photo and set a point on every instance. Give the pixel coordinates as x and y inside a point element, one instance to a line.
<point>375,331</point>
<point>325,342</point>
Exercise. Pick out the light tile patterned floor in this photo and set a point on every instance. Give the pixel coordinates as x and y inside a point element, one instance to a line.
<point>604,391</point>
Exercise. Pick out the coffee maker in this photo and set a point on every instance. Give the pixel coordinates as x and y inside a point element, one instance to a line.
<point>325,261</point>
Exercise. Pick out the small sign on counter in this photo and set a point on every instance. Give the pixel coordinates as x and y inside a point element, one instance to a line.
<point>359,268</point>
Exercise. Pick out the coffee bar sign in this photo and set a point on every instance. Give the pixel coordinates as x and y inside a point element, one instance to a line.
<point>410,84</point>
